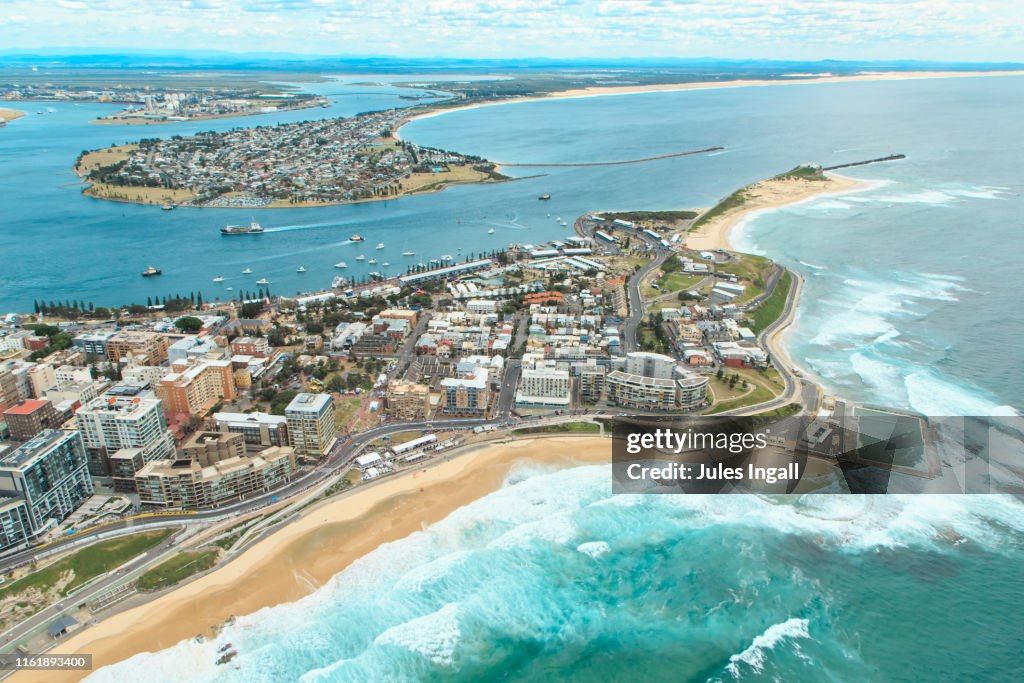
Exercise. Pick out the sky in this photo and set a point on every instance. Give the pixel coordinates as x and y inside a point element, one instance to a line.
<point>944,30</point>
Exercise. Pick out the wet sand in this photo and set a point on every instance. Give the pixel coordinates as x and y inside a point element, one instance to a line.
<point>305,554</point>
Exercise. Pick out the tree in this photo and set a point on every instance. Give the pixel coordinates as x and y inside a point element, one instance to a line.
<point>335,384</point>
<point>189,323</point>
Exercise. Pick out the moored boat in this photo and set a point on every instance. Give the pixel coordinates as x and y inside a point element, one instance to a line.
<point>151,272</point>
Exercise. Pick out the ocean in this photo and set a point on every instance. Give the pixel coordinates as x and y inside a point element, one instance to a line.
<point>554,578</point>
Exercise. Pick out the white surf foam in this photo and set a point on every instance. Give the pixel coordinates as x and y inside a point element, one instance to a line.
<point>754,655</point>
<point>434,635</point>
<point>594,549</point>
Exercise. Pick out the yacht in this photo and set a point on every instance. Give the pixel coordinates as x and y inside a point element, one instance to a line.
<point>229,289</point>
<point>408,253</point>
<point>151,271</point>
<point>372,261</point>
<point>544,197</point>
<point>167,207</point>
<point>446,257</point>
<point>341,264</point>
<point>380,245</point>
<point>263,281</point>
<point>300,269</point>
<point>385,264</point>
<point>247,271</point>
<point>360,258</point>
<point>357,238</point>
<point>491,231</point>
<point>218,279</point>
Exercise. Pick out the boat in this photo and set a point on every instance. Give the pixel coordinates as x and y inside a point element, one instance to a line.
<point>263,281</point>
<point>372,261</point>
<point>167,207</point>
<point>446,257</point>
<point>229,288</point>
<point>338,282</point>
<point>491,231</point>
<point>341,264</point>
<point>218,279</point>
<point>544,197</point>
<point>360,258</point>
<point>408,253</point>
<point>385,264</point>
<point>380,245</point>
<point>357,238</point>
<point>458,248</point>
<point>300,269</point>
<point>549,215</point>
<point>247,271</point>
<point>253,228</point>
<point>151,271</point>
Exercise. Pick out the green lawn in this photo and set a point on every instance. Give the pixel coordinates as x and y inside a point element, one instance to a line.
<point>177,569</point>
<point>564,428</point>
<point>88,563</point>
<point>772,307</point>
<point>345,408</point>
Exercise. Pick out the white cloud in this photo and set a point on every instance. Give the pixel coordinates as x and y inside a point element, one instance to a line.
<point>801,29</point>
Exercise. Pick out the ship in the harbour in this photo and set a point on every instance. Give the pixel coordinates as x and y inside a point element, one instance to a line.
<point>544,197</point>
<point>357,238</point>
<point>151,272</point>
<point>253,228</point>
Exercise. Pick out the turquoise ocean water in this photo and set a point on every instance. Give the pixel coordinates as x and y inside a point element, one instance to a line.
<point>553,578</point>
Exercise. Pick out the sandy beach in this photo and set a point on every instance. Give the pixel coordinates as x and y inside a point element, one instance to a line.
<point>767,195</point>
<point>597,91</point>
<point>10,114</point>
<point>306,553</point>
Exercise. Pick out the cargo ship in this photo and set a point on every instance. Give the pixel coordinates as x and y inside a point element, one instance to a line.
<point>253,228</point>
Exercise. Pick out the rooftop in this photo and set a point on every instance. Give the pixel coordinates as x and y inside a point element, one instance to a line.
<point>27,407</point>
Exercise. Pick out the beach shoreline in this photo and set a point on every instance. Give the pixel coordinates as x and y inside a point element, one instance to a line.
<point>292,562</point>
<point>598,91</point>
<point>763,197</point>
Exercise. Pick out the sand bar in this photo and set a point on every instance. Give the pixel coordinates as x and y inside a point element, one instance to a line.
<point>10,114</point>
<point>305,554</point>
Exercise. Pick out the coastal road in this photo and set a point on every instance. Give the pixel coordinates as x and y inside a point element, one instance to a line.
<point>630,342</point>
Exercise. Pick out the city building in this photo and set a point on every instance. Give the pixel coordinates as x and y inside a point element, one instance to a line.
<point>592,378</point>
<point>93,343</point>
<point>192,348</point>
<point>123,466</point>
<point>654,382</point>
<point>30,417</point>
<point>468,395</point>
<point>124,417</point>
<point>208,448</point>
<point>8,389</point>
<point>311,427</point>
<point>543,387</point>
<point>41,377</point>
<point>145,348</point>
<point>194,389</point>
<point>257,347</point>
<point>185,484</point>
<point>41,483</point>
<point>258,429</point>
<point>407,401</point>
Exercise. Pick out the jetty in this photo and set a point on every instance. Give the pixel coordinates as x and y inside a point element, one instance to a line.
<point>891,157</point>
<point>620,163</point>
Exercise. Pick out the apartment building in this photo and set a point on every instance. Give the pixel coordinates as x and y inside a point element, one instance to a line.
<point>208,448</point>
<point>407,401</point>
<point>185,484</point>
<point>145,348</point>
<point>258,429</point>
<point>124,417</point>
<point>31,417</point>
<point>311,426</point>
<point>194,389</point>
<point>41,483</point>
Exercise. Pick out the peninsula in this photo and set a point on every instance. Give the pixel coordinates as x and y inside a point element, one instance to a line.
<point>9,115</point>
<point>311,163</point>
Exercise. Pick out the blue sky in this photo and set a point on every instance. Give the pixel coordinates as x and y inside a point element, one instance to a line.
<point>947,30</point>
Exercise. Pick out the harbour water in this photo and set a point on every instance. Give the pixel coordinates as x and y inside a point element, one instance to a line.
<point>553,578</point>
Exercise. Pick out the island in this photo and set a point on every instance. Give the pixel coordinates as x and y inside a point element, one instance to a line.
<point>310,163</point>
